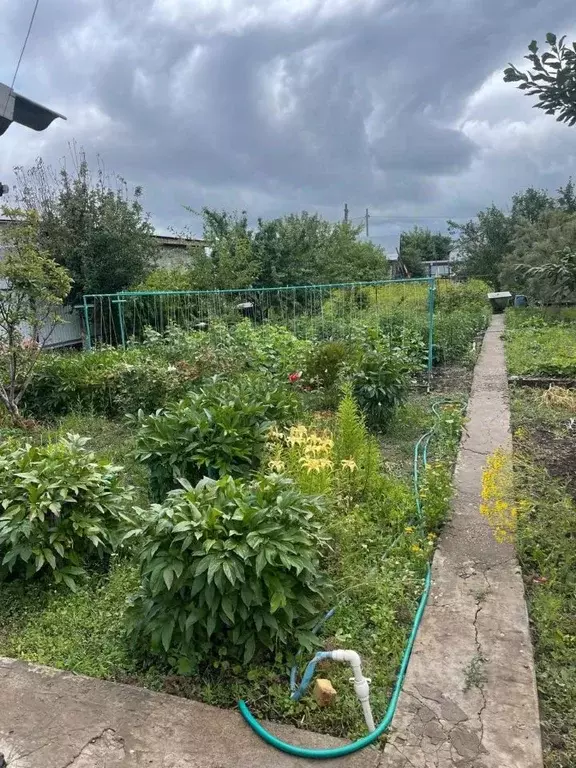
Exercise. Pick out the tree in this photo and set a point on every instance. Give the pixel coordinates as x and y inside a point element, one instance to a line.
<point>530,205</point>
<point>420,245</point>
<point>346,259</point>
<point>291,250</point>
<point>552,78</point>
<point>483,244</point>
<point>298,249</point>
<point>228,260</point>
<point>538,263</point>
<point>32,287</point>
<point>567,197</point>
<point>561,274</point>
<point>98,232</point>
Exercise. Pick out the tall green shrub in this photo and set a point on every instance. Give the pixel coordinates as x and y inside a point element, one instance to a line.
<point>228,565</point>
<point>219,430</point>
<point>61,507</point>
<point>381,384</point>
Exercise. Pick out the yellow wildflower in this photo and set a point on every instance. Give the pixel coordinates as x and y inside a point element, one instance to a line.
<point>409,529</point>
<point>498,496</point>
<point>416,548</point>
<point>349,464</point>
<point>276,465</point>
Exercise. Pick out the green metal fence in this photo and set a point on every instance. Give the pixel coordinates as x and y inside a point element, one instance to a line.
<point>309,311</point>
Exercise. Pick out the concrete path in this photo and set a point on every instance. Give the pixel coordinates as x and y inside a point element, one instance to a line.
<point>469,699</point>
<point>53,719</point>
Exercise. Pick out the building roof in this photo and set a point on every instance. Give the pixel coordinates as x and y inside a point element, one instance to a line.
<point>18,109</point>
<point>170,241</point>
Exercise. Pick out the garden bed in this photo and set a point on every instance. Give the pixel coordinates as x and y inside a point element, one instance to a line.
<point>85,632</point>
<point>541,343</point>
<point>545,472</point>
<point>128,564</point>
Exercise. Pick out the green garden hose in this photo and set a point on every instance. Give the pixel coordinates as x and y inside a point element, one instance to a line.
<point>420,453</point>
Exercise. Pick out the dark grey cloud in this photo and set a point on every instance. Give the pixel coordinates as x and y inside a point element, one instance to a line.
<point>277,106</point>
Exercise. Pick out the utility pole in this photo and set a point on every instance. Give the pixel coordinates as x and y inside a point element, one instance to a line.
<point>367,224</point>
<point>345,213</point>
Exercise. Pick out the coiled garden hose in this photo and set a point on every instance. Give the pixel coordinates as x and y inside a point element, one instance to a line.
<point>420,456</point>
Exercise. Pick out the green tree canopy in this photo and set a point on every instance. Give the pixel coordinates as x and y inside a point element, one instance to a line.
<point>551,78</point>
<point>98,232</point>
<point>548,242</point>
<point>419,245</point>
<point>32,287</point>
<point>228,260</point>
<point>567,197</point>
<point>298,249</point>
<point>531,204</point>
<point>482,244</point>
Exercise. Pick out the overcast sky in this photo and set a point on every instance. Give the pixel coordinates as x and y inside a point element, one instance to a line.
<point>277,106</point>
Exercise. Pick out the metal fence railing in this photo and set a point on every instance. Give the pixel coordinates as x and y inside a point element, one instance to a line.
<point>309,311</point>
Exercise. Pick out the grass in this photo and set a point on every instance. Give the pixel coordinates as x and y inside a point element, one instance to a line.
<point>545,472</point>
<point>541,343</point>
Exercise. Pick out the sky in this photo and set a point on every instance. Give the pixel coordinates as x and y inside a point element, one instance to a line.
<point>278,106</point>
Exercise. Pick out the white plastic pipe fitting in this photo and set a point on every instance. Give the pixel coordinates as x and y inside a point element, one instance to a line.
<point>361,683</point>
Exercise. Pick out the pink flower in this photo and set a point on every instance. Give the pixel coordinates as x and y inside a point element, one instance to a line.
<point>296,376</point>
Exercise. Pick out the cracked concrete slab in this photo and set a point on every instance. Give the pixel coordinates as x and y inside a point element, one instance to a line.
<point>472,663</point>
<point>54,719</point>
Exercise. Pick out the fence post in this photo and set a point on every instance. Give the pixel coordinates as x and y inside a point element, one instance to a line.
<point>88,335</point>
<point>120,302</point>
<point>431,300</point>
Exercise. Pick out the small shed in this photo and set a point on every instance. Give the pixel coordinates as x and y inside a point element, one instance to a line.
<point>500,300</point>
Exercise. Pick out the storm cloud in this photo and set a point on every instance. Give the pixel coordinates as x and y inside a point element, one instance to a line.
<point>277,106</point>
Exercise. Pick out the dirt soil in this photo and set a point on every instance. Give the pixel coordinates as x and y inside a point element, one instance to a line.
<point>451,379</point>
<point>557,452</point>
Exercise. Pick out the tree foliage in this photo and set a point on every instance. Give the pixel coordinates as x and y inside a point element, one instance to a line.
<point>298,249</point>
<point>531,204</point>
<point>551,78</point>
<point>527,250</point>
<point>420,245</point>
<point>93,226</point>
<point>32,288</point>
<point>567,197</point>
<point>482,244</point>
<point>547,242</point>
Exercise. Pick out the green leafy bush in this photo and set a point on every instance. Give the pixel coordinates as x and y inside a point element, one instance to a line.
<point>325,362</point>
<point>230,566</point>
<point>471,295</point>
<point>538,317</point>
<point>381,384</point>
<point>61,506</point>
<point>455,332</point>
<point>108,382</point>
<point>219,430</point>
<point>271,348</point>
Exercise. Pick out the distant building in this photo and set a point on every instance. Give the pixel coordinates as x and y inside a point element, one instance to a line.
<point>174,252</point>
<point>439,268</point>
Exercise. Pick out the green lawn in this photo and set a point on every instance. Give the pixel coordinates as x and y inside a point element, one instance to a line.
<point>541,343</point>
